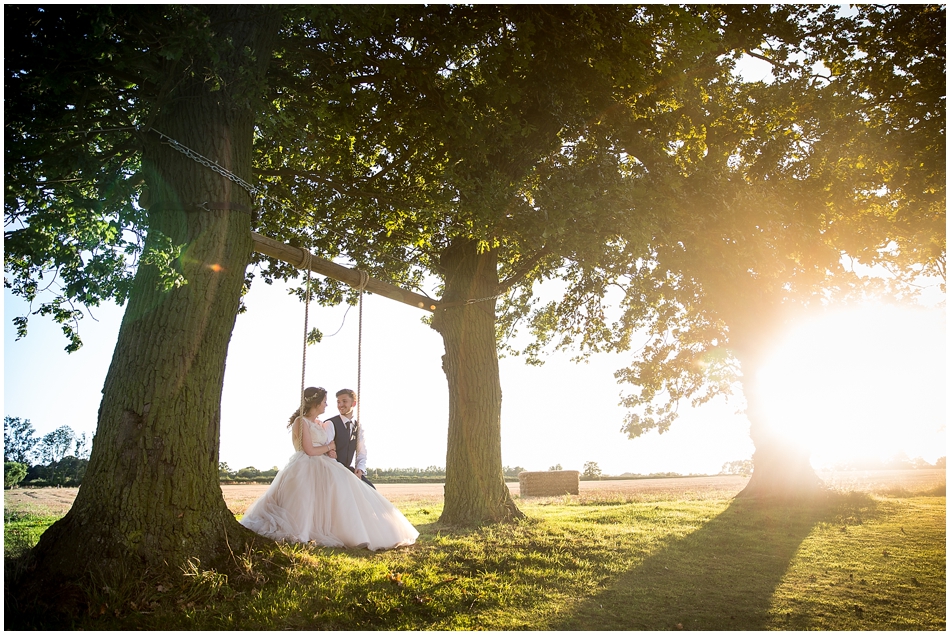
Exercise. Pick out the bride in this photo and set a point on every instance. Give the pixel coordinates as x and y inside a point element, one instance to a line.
<point>315,498</point>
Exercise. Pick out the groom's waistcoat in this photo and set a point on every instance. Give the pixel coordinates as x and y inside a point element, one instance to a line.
<point>345,441</point>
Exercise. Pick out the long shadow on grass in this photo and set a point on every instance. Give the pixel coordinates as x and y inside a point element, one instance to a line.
<point>720,577</point>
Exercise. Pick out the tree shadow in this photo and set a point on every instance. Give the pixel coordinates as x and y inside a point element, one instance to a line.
<point>720,577</point>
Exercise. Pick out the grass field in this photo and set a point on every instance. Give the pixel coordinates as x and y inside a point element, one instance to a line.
<point>649,556</point>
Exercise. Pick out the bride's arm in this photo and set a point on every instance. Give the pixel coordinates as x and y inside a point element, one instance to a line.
<point>330,434</point>
<point>307,442</point>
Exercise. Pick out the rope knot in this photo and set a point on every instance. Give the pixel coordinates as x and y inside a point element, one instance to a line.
<point>364,280</point>
<point>306,260</point>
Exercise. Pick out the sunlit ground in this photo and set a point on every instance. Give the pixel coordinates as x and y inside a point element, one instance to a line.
<point>862,384</point>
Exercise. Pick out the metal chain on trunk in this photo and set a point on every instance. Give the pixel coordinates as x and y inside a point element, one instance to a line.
<point>256,193</point>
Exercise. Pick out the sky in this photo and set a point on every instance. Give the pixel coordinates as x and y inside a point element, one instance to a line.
<point>872,376</point>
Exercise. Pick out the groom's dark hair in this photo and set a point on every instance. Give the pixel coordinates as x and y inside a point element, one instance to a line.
<point>346,391</point>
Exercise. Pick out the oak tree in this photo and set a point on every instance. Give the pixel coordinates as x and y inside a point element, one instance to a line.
<point>486,145</point>
<point>774,190</point>
<point>86,89</point>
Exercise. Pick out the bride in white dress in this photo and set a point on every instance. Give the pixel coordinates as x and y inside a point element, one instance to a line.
<point>315,498</point>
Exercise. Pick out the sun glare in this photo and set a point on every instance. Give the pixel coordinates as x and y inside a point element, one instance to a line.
<point>862,384</point>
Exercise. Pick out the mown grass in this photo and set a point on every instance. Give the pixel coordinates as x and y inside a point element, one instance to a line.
<point>607,562</point>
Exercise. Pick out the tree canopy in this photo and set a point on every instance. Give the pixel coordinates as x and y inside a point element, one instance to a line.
<point>769,195</point>
<point>80,90</point>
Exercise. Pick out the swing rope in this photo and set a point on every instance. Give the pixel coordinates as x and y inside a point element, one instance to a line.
<point>364,278</point>
<point>306,262</point>
<point>306,330</point>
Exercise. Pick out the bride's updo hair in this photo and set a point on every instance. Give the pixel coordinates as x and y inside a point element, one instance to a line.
<point>311,397</point>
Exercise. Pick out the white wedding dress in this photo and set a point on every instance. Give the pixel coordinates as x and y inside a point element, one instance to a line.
<point>315,498</point>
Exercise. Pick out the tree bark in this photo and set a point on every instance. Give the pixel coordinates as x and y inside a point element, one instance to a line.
<point>150,497</point>
<point>475,490</point>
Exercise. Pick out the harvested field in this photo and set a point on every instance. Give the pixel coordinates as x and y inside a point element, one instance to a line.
<point>45,501</point>
<point>56,501</point>
<point>885,481</point>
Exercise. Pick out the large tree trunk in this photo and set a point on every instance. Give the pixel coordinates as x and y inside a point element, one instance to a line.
<point>755,313</point>
<point>151,497</point>
<point>781,465</point>
<point>475,490</point>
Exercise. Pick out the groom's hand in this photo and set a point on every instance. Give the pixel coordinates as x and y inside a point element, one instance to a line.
<point>359,473</point>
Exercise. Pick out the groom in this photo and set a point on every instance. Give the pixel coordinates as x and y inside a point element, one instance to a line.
<point>348,434</point>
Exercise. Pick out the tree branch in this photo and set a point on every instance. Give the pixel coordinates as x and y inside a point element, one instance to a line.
<point>523,269</point>
<point>759,56</point>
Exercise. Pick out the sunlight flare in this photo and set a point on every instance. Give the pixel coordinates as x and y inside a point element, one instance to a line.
<point>867,383</point>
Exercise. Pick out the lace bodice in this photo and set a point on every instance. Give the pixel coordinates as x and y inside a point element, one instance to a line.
<point>318,434</point>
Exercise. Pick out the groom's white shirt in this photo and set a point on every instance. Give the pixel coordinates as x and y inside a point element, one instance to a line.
<point>360,443</point>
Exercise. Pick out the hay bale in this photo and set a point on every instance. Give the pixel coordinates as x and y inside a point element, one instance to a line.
<point>553,483</point>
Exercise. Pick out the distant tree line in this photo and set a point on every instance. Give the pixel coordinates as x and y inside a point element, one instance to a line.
<point>245,475</point>
<point>57,459</point>
<point>899,461</point>
<point>431,474</point>
<point>742,467</point>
